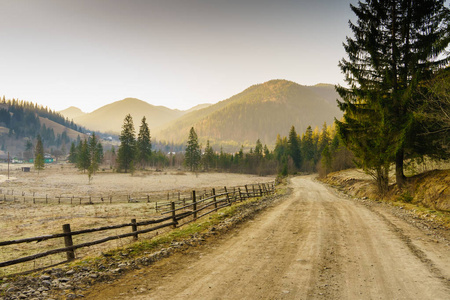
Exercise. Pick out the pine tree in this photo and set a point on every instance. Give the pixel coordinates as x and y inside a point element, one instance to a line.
<point>193,153</point>
<point>94,155</point>
<point>127,149</point>
<point>39,159</point>
<point>73,153</point>
<point>83,157</point>
<point>294,148</point>
<point>208,157</point>
<point>324,139</point>
<point>144,144</point>
<point>396,45</point>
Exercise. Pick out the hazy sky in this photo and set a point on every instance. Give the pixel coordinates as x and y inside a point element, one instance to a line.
<point>176,53</point>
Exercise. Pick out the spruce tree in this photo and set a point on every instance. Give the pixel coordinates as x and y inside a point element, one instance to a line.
<point>94,154</point>
<point>127,149</point>
<point>39,159</point>
<point>144,144</point>
<point>73,153</point>
<point>396,45</point>
<point>208,157</point>
<point>193,153</point>
<point>294,148</point>
<point>83,157</point>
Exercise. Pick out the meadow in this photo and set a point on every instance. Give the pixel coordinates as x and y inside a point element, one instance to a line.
<point>22,218</point>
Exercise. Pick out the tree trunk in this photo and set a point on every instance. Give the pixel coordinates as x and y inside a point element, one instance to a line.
<point>399,176</point>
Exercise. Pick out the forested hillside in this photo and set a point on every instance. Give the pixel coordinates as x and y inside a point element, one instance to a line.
<point>261,111</point>
<point>22,120</point>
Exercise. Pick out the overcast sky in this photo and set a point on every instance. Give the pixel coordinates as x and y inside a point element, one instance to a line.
<point>176,53</point>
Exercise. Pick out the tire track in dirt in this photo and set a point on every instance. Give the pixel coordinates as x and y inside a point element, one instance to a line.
<point>312,245</point>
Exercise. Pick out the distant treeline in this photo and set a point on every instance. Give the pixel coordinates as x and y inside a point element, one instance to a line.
<point>313,151</point>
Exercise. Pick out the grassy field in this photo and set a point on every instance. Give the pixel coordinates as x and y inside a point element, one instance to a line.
<point>19,219</point>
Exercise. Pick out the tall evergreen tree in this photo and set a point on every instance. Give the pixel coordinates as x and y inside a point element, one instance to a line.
<point>193,153</point>
<point>294,148</point>
<point>83,156</point>
<point>39,159</point>
<point>94,154</point>
<point>208,157</point>
<point>73,153</point>
<point>396,45</point>
<point>127,149</point>
<point>144,144</point>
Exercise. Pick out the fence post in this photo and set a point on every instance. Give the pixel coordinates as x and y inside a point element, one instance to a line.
<point>46,199</point>
<point>215,198</point>
<point>134,228</point>
<point>148,198</point>
<point>156,206</point>
<point>226,193</point>
<point>34,199</point>
<point>246,189</point>
<point>174,217</point>
<point>240,194</point>
<point>260,190</point>
<point>194,205</point>
<point>68,242</point>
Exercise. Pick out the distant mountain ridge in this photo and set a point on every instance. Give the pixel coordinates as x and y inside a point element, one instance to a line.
<point>109,118</point>
<point>261,111</point>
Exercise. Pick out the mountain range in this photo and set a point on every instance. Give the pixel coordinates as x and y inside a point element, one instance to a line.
<point>261,111</point>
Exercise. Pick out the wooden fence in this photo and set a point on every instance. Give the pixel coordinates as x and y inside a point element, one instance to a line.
<point>181,210</point>
<point>159,198</point>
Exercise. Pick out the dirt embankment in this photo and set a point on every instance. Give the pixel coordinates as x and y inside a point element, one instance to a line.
<point>430,189</point>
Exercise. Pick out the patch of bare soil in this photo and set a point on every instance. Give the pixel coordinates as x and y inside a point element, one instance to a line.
<point>314,244</point>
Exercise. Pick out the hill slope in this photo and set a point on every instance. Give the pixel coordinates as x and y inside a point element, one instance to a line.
<point>261,111</point>
<point>109,118</point>
<point>72,112</point>
<point>59,129</point>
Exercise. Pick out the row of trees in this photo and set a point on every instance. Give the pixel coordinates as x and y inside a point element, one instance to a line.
<point>87,154</point>
<point>134,151</point>
<point>396,103</point>
<point>313,151</point>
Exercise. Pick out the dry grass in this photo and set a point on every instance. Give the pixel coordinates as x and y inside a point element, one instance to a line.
<point>20,220</point>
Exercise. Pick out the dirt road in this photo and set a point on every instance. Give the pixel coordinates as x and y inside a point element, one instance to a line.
<point>313,244</point>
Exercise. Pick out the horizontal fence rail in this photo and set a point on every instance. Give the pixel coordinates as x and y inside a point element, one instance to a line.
<point>190,206</point>
<point>13,195</point>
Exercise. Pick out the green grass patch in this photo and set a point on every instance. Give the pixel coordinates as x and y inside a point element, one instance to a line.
<point>440,217</point>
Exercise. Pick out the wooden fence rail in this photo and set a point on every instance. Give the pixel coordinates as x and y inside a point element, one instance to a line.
<point>207,200</point>
<point>15,195</point>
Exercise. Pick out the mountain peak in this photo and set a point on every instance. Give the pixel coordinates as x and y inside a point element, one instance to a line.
<point>71,112</point>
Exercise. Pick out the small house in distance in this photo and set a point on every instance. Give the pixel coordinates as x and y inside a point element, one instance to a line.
<point>48,159</point>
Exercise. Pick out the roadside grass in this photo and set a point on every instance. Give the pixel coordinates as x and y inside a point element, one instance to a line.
<point>164,240</point>
<point>440,217</point>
